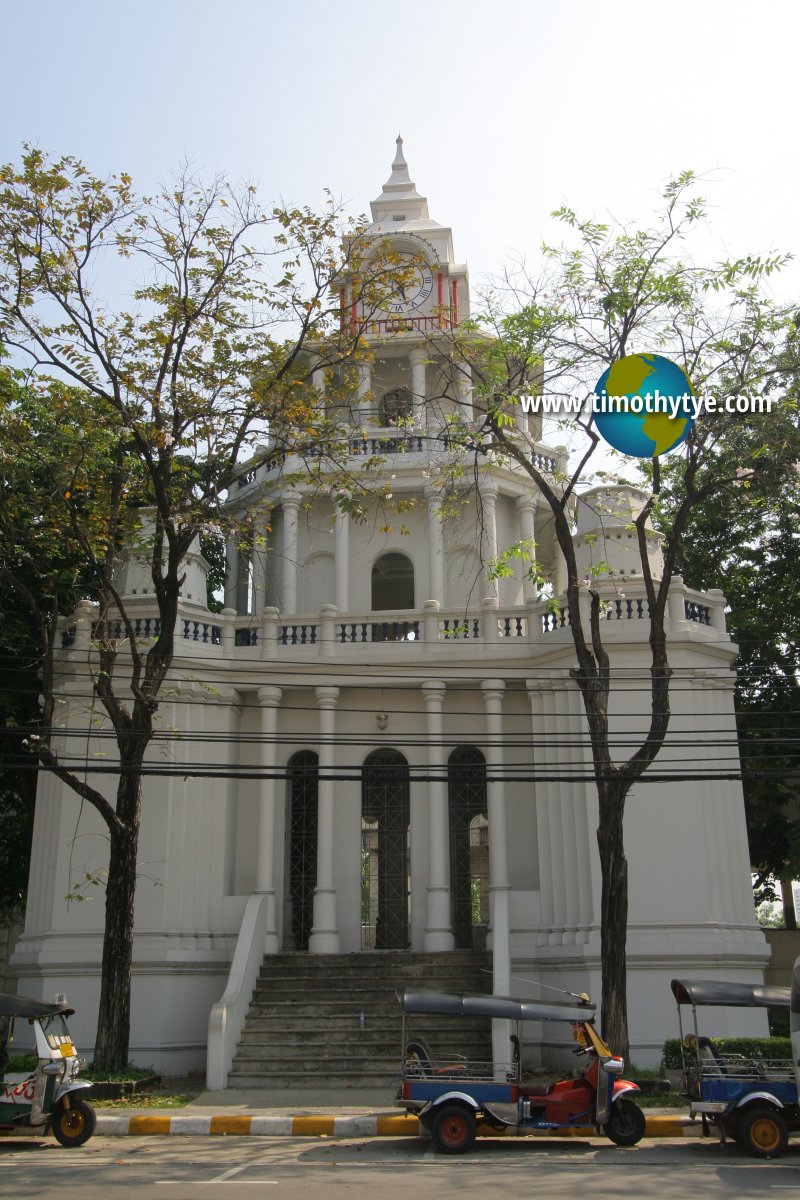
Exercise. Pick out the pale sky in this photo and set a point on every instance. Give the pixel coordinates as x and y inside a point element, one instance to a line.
<point>507,108</point>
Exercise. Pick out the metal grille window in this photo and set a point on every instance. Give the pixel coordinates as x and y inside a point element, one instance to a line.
<point>302,823</point>
<point>385,879</point>
<point>469,846</point>
<point>394,407</point>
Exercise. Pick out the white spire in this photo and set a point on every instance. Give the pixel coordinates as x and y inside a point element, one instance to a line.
<point>399,180</point>
<point>399,196</point>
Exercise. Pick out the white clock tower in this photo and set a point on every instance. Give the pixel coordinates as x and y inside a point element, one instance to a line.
<point>402,749</point>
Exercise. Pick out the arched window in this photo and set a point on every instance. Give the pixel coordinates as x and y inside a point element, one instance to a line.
<point>394,406</point>
<point>385,815</point>
<point>392,582</point>
<point>469,846</point>
<point>302,795</point>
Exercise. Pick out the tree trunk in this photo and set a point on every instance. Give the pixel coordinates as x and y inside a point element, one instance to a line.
<point>613,916</point>
<point>787,898</point>
<point>113,1028</point>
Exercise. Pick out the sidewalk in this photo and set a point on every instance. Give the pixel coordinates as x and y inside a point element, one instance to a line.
<point>315,1112</point>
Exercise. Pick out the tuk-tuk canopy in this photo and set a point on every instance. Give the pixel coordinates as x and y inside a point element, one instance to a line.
<point>447,1005</point>
<point>23,1006</point>
<point>718,992</point>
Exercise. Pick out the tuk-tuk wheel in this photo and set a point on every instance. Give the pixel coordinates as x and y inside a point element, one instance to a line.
<point>453,1129</point>
<point>763,1132</point>
<point>626,1123</point>
<point>74,1125</point>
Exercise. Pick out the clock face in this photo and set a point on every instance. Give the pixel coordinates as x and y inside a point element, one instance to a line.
<point>415,289</point>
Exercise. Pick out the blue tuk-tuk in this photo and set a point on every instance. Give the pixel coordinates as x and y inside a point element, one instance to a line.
<point>451,1096</point>
<point>752,1100</point>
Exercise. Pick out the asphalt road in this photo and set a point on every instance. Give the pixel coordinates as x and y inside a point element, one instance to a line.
<point>387,1169</point>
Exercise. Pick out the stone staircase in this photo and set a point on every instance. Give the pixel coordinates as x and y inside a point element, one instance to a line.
<point>335,1019</point>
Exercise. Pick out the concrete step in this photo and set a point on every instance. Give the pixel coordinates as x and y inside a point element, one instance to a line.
<point>304,1022</point>
<point>342,1023</point>
<point>343,1081</point>
<point>254,1042</point>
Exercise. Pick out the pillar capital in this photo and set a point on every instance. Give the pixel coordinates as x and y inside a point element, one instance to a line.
<point>493,690</point>
<point>434,692</point>
<point>525,504</point>
<point>327,697</point>
<point>269,697</point>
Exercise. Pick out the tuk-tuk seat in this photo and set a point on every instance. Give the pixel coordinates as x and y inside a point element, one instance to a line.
<point>708,1056</point>
<point>426,1066</point>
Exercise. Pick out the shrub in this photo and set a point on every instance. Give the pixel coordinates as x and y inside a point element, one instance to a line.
<point>17,1063</point>
<point>749,1047</point>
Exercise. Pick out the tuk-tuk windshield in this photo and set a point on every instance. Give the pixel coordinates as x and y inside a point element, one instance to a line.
<point>56,1035</point>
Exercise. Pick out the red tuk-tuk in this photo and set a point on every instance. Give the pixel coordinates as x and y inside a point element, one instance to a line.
<point>452,1097</point>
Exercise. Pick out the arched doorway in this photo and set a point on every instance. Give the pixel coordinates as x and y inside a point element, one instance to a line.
<point>385,882</point>
<point>469,846</point>
<point>392,582</point>
<point>302,797</point>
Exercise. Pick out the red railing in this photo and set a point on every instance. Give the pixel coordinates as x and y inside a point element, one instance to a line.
<point>426,324</point>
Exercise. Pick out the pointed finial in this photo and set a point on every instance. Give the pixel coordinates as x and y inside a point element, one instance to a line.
<point>399,180</point>
<point>399,159</point>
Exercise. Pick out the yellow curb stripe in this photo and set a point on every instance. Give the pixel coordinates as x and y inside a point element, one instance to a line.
<point>664,1127</point>
<point>312,1126</point>
<point>231,1124</point>
<point>397,1126</point>
<point>149,1125</point>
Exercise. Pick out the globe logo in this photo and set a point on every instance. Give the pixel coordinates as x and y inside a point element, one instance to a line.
<point>643,405</point>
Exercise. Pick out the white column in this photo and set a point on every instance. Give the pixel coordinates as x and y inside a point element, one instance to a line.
<point>560,573</point>
<point>676,605</point>
<point>231,571</point>
<point>342,560</point>
<point>526,514</point>
<point>438,921</point>
<point>418,385</point>
<point>262,518</point>
<point>499,885</point>
<point>487,516</point>
<point>539,695</point>
<point>268,698</point>
<point>554,735</point>
<point>464,392</point>
<point>324,937</point>
<point>291,508</point>
<point>318,380</point>
<point>585,834</point>
<point>364,396</point>
<point>435,548</point>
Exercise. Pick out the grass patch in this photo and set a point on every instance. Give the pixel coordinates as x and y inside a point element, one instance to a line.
<point>667,1100</point>
<point>149,1100</point>
<point>127,1073</point>
<point>170,1093</point>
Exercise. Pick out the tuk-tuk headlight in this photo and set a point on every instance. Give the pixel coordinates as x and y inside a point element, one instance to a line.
<point>614,1066</point>
<point>53,1068</point>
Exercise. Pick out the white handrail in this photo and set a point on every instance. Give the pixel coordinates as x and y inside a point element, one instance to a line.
<point>227,1017</point>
